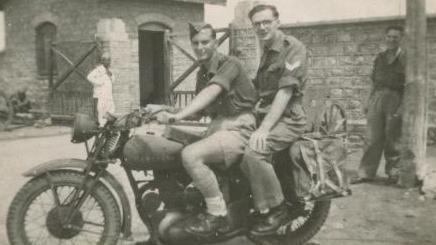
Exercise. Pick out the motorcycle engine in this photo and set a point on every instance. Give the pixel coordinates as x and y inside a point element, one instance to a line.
<point>173,191</point>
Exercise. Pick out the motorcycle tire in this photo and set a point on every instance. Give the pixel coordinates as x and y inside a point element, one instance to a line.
<point>38,189</point>
<point>303,233</point>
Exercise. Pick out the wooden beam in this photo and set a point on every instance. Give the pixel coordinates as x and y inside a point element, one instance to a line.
<point>51,70</point>
<point>414,128</point>
<point>63,56</point>
<point>72,68</point>
<point>172,42</point>
<point>223,37</point>
<point>183,76</point>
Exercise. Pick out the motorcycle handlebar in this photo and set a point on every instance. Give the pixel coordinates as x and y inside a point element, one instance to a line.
<point>170,121</point>
<point>153,116</point>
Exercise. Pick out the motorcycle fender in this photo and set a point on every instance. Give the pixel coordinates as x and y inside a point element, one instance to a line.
<point>107,178</point>
<point>56,164</point>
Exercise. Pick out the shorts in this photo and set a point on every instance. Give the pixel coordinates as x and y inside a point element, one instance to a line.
<point>232,135</point>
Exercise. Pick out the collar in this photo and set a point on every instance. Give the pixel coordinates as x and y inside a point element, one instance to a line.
<point>214,62</point>
<point>277,44</point>
<point>397,54</point>
<point>399,51</point>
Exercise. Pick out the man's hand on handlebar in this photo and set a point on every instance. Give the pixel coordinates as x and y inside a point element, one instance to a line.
<point>165,117</point>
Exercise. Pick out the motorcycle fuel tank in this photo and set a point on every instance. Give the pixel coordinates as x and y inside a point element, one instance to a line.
<point>150,152</point>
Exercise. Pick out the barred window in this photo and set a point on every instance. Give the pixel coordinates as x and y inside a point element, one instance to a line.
<point>45,35</point>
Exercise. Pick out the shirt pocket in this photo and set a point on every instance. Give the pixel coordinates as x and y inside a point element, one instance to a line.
<point>275,69</point>
<point>272,76</point>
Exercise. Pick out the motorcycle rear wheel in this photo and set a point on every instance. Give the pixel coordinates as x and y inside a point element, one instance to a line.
<point>301,229</point>
<point>35,218</point>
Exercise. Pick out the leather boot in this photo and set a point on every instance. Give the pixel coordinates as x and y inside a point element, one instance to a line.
<point>206,224</point>
<point>276,217</point>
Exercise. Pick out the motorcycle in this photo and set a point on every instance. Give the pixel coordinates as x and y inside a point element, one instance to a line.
<point>75,201</point>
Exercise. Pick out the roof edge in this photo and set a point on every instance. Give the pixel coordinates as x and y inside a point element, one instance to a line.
<point>350,21</point>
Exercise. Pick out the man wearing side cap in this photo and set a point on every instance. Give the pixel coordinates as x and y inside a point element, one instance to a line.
<point>280,81</point>
<point>225,93</point>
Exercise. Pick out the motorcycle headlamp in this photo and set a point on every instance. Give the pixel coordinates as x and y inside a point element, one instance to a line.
<point>84,128</point>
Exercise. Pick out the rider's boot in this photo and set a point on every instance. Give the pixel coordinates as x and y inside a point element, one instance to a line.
<point>206,224</point>
<point>271,221</point>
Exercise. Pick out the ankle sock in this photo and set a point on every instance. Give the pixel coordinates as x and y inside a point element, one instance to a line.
<point>264,211</point>
<point>216,206</point>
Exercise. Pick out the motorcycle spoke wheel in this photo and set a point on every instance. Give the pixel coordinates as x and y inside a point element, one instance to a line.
<point>39,212</point>
<point>44,203</point>
<point>301,228</point>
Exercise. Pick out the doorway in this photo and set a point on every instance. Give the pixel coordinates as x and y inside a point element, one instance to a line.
<point>153,64</point>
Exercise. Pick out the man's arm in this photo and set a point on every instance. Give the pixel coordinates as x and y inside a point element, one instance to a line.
<point>201,101</point>
<point>221,82</point>
<point>95,76</point>
<point>294,70</point>
<point>374,70</point>
<point>278,107</point>
<point>258,138</point>
<point>372,89</point>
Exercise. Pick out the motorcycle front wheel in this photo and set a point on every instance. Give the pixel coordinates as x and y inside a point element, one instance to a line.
<point>38,213</point>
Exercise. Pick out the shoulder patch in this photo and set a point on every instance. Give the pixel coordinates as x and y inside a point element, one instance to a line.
<point>292,66</point>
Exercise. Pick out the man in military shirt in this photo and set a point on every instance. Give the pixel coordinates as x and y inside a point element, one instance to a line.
<point>226,94</point>
<point>279,82</point>
<point>383,110</point>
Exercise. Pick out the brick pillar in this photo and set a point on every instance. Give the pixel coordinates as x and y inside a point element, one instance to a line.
<point>114,39</point>
<point>243,41</point>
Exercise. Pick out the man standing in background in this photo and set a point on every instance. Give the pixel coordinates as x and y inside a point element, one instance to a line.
<point>102,78</point>
<point>384,110</point>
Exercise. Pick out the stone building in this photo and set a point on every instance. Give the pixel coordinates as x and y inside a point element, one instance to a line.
<point>134,31</point>
<point>341,53</point>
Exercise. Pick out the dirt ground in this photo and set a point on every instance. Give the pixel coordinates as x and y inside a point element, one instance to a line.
<point>375,214</point>
<point>381,214</point>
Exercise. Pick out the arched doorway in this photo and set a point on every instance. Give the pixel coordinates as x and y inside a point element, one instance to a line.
<point>154,64</point>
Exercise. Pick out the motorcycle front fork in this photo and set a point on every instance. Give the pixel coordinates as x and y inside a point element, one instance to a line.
<point>79,196</point>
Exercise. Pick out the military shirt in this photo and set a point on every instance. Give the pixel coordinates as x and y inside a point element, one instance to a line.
<point>284,64</point>
<point>239,93</point>
<point>389,71</point>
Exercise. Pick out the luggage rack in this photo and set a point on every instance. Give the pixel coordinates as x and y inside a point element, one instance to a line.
<point>330,123</point>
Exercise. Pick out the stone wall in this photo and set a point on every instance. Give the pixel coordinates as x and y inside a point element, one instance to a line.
<point>341,53</point>
<point>76,21</point>
<point>341,57</point>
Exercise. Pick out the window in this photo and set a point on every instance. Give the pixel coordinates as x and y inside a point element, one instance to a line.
<point>45,35</point>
